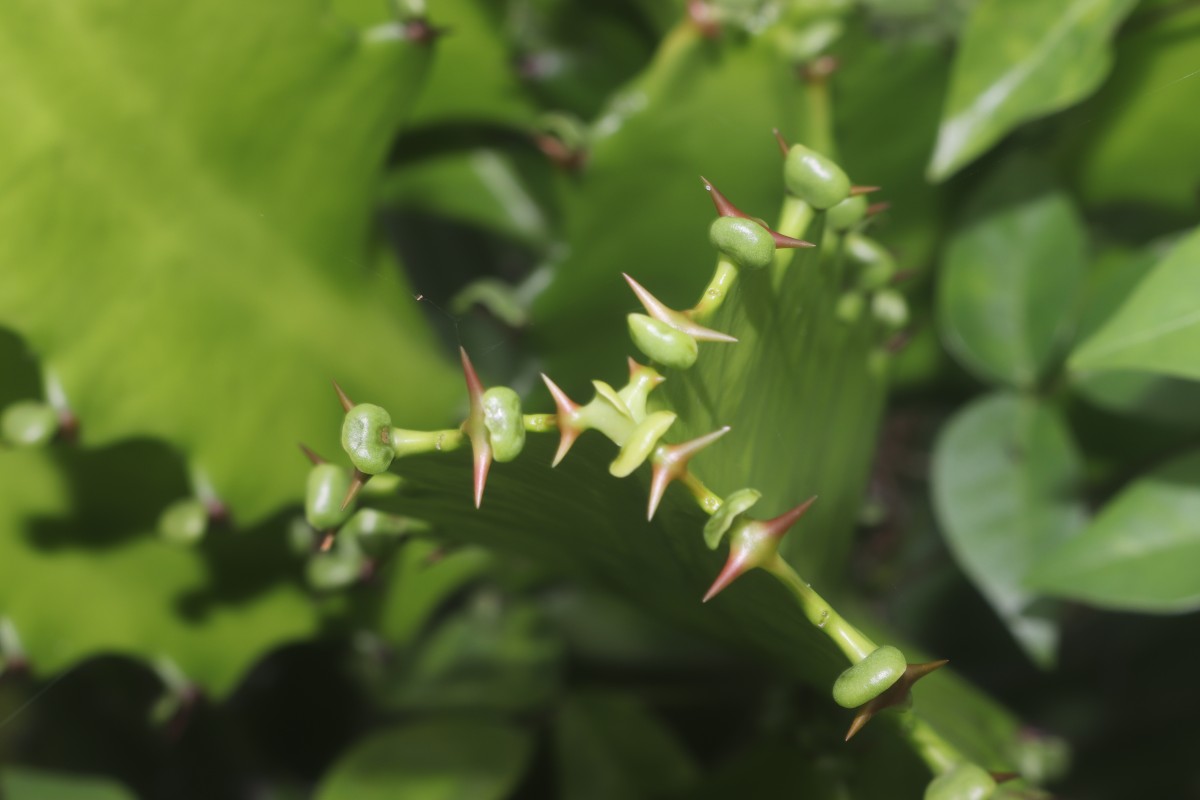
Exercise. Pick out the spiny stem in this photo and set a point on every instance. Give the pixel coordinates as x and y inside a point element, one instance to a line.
<point>850,640</point>
<point>408,442</point>
<point>541,423</point>
<point>718,289</point>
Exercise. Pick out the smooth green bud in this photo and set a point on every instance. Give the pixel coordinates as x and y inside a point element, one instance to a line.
<point>336,570</point>
<point>641,443</point>
<point>327,487</point>
<point>367,438</point>
<point>743,241</point>
<point>890,308</point>
<point>848,213</point>
<point>505,425</point>
<point>869,678</point>
<point>736,504</point>
<point>377,531</point>
<point>183,522</point>
<point>28,423</point>
<point>662,343</point>
<point>850,307</point>
<point>961,782</point>
<point>814,178</point>
<point>877,265</point>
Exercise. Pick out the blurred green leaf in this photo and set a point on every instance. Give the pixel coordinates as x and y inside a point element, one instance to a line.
<point>192,268</point>
<point>608,745</point>
<point>1019,60</point>
<point>1005,487</point>
<point>433,759</point>
<point>1157,398</point>
<point>1130,143</point>
<point>122,589</point>
<point>1140,552</point>
<point>1158,327</point>
<point>20,783</point>
<point>1010,276</point>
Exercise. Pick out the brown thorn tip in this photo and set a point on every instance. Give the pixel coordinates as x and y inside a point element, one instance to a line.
<point>312,456</point>
<point>783,145</point>
<point>347,403</point>
<point>724,207</point>
<point>780,525</point>
<point>326,541</point>
<point>876,209</point>
<point>733,568</point>
<point>358,481</point>
<point>1004,777</point>
<point>856,190</point>
<point>788,241</point>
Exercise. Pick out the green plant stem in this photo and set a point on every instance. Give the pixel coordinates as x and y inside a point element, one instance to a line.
<point>708,500</point>
<point>794,218</point>
<point>408,442</point>
<point>820,116</point>
<point>938,754</point>
<point>541,423</point>
<point>718,289</point>
<point>855,644</point>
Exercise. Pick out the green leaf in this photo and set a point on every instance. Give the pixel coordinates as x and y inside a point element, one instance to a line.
<point>1158,327</point>
<point>1008,276</point>
<point>1005,484</point>
<point>1130,143</point>
<point>190,267</point>
<point>1019,60</point>
<point>69,524</point>
<point>1140,552</point>
<point>433,759</point>
<point>608,745</point>
<point>20,783</point>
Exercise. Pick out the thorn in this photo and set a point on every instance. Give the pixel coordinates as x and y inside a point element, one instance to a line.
<point>567,409</point>
<point>701,15</point>
<point>857,190</point>
<point>733,568</point>
<point>655,308</point>
<point>1004,777</point>
<point>476,430</point>
<point>634,366</point>
<point>357,481</point>
<point>347,403</point>
<point>894,696</point>
<point>312,456</point>
<point>672,464</point>
<point>903,275</point>
<point>780,525</point>
<point>788,241</point>
<point>875,209</point>
<point>326,541</point>
<point>817,70</point>
<point>724,207</point>
<point>420,31</point>
<point>783,145</point>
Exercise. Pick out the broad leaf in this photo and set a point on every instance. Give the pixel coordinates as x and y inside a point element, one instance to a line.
<point>1158,327</point>
<point>1130,143</point>
<point>19,783</point>
<point>187,266</point>
<point>1141,551</point>
<point>1010,271</point>
<point>82,572</point>
<point>1005,486</point>
<point>1019,60</point>
<point>435,759</point>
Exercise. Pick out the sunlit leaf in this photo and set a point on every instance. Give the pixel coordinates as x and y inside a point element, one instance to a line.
<point>1019,60</point>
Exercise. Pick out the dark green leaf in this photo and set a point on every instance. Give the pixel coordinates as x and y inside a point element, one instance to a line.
<point>1019,60</point>
<point>1141,551</point>
<point>1005,483</point>
<point>19,783</point>
<point>1010,272</point>
<point>1158,327</point>
<point>435,759</point>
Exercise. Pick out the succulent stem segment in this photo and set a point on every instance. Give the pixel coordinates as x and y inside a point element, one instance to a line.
<point>820,198</point>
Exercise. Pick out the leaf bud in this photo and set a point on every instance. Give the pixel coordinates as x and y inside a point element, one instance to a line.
<point>961,782</point>
<point>814,178</point>
<point>327,486</point>
<point>28,423</point>
<point>662,343</point>
<point>869,678</point>
<point>743,241</point>
<point>367,438</point>
<point>505,425</point>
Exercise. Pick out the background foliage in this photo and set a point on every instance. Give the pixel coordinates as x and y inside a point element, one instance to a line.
<point>210,211</point>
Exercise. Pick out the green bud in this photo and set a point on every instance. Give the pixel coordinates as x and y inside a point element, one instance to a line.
<point>505,425</point>
<point>848,213</point>
<point>961,782</point>
<point>335,570</point>
<point>869,678</point>
<point>890,308</point>
<point>877,264</point>
<point>814,178</point>
<point>377,531</point>
<point>744,241</point>
<point>183,522</point>
<point>367,438</point>
<point>327,487</point>
<point>662,343</point>
<point>28,423</point>
<point>850,307</point>
<point>641,443</point>
<point>735,505</point>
